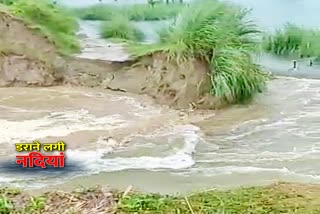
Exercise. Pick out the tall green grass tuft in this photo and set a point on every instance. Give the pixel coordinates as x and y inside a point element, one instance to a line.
<point>53,21</point>
<point>220,34</point>
<point>137,12</point>
<point>119,27</point>
<point>293,40</point>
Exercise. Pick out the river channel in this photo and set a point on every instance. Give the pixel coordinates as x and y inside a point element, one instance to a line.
<point>274,138</point>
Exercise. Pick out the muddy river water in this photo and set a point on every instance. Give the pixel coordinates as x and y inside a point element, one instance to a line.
<point>274,138</point>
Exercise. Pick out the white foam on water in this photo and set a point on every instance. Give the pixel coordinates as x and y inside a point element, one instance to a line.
<point>95,163</point>
<point>256,157</point>
<point>26,182</point>
<point>6,180</point>
<point>56,124</point>
<point>268,125</point>
<point>138,109</point>
<point>279,173</point>
<point>20,110</point>
<point>243,170</point>
<point>6,98</point>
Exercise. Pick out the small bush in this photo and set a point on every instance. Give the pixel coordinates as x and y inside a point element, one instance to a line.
<point>120,27</point>
<point>51,20</point>
<point>138,12</point>
<point>293,40</point>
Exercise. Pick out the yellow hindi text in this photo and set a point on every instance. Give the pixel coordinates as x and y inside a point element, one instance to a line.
<point>37,146</point>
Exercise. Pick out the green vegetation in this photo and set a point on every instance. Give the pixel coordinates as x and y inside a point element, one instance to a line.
<point>277,198</point>
<point>52,21</point>
<point>293,40</point>
<point>7,2</point>
<point>120,27</point>
<point>281,198</point>
<point>219,34</point>
<point>138,12</point>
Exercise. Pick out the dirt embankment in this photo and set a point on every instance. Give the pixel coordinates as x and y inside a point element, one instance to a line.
<point>26,57</point>
<point>29,59</point>
<point>182,85</point>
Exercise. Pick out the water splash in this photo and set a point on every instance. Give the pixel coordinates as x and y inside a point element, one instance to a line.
<point>56,124</point>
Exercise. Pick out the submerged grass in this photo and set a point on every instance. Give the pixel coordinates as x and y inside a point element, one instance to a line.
<point>119,27</point>
<point>277,198</point>
<point>50,20</point>
<point>220,34</point>
<point>293,40</point>
<point>137,12</point>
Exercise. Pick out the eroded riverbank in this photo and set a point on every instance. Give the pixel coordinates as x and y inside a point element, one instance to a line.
<point>159,149</point>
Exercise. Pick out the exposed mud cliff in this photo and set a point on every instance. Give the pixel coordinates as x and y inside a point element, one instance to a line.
<point>180,85</point>
<point>27,58</point>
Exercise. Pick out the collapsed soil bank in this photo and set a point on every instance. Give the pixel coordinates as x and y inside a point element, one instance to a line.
<point>26,57</point>
<point>182,86</point>
<point>30,59</point>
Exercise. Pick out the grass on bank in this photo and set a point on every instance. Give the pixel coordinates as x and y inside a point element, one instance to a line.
<point>220,34</point>
<point>277,198</point>
<point>119,27</point>
<point>293,40</point>
<point>137,12</point>
<point>51,20</point>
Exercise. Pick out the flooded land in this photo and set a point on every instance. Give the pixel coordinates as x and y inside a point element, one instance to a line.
<point>164,150</point>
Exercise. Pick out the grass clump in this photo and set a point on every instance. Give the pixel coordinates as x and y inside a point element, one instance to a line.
<point>219,34</point>
<point>137,12</point>
<point>119,27</point>
<point>293,40</point>
<point>50,20</point>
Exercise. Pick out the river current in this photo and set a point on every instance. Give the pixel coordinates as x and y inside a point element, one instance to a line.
<point>274,138</point>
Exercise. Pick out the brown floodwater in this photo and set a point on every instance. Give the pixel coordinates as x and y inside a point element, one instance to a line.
<point>274,138</point>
